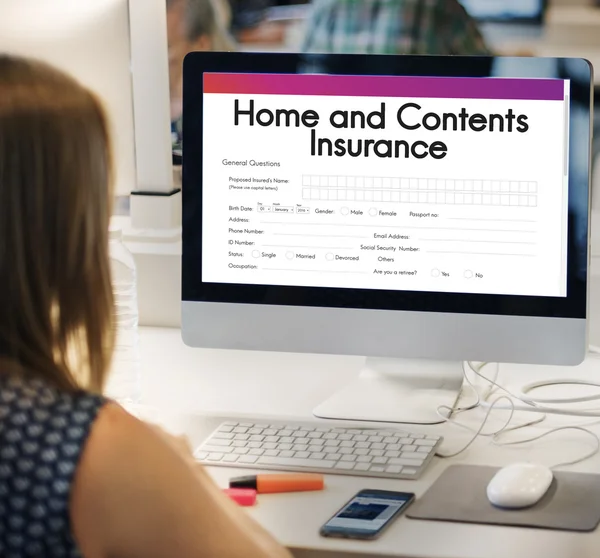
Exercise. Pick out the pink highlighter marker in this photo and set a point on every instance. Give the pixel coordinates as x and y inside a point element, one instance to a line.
<point>242,496</point>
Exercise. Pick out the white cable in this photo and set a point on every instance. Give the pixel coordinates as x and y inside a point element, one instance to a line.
<point>553,431</point>
<point>532,406</point>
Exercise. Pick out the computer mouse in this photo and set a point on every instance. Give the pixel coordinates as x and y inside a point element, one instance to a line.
<point>519,485</point>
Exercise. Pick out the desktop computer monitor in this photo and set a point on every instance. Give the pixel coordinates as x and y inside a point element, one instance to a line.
<point>419,211</point>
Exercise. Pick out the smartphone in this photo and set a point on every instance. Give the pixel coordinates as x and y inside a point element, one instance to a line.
<point>367,514</point>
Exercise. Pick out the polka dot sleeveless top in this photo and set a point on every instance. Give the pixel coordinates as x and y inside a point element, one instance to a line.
<point>42,434</point>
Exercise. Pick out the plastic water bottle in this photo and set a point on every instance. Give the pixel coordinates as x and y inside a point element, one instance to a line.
<point>124,382</point>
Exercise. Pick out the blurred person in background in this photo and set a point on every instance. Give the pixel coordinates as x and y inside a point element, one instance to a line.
<point>192,25</point>
<point>79,476</point>
<point>392,27</point>
<point>249,23</point>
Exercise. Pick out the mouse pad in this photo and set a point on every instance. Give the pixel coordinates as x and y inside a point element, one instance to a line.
<point>572,502</point>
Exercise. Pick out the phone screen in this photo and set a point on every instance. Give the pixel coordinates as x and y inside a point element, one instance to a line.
<point>367,513</point>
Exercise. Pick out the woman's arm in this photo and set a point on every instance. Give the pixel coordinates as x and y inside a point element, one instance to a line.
<point>137,495</point>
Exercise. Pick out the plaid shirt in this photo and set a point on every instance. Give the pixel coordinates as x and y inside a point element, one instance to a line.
<point>392,27</point>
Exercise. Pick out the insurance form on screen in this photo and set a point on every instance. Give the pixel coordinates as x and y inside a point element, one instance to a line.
<point>387,183</point>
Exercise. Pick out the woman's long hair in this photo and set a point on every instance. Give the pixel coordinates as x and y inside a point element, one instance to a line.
<point>55,204</point>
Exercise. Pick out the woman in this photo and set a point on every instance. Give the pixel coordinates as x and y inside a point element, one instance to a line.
<point>78,475</point>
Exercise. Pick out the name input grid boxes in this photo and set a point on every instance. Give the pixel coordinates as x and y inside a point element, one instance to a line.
<point>420,190</point>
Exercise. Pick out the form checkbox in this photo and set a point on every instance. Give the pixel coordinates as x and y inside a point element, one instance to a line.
<point>306,193</point>
<point>386,195</point>
<point>351,182</point>
<point>395,196</point>
<point>377,195</point>
<point>377,182</point>
<point>341,181</point>
<point>387,183</point>
<point>333,181</point>
<point>431,184</point>
<point>395,183</point>
<point>306,180</point>
<point>486,199</point>
<point>514,187</point>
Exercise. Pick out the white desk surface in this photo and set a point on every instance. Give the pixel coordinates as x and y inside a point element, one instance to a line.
<point>181,383</point>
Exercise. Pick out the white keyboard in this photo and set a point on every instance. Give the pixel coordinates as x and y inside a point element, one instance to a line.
<point>386,453</point>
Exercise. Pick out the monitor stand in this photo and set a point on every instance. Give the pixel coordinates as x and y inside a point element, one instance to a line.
<point>396,390</point>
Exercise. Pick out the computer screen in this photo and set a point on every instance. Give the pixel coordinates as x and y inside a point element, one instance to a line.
<point>506,10</point>
<point>415,207</point>
<point>354,187</point>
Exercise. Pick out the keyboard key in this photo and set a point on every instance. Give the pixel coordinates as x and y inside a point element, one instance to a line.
<point>248,459</point>
<point>426,442</point>
<point>353,431</point>
<point>226,429</point>
<point>239,444</point>
<point>376,453</point>
<point>317,442</point>
<point>408,471</point>
<point>344,465</point>
<point>374,439</point>
<point>286,454</point>
<point>330,436</point>
<point>348,458</point>
<point>361,451</point>
<point>201,455</point>
<point>344,437</point>
<point>287,439</point>
<point>347,444</point>
<point>254,445</point>
<point>379,460</point>
<point>217,442</point>
<point>333,456</point>
<point>363,445</point>
<point>345,451</point>
<point>412,455</point>
<point>302,454</point>
<point>217,449</point>
<point>299,434</point>
<point>377,469</point>
<point>240,430</point>
<point>394,447</point>
<point>393,469</point>
<point>255,431</point>
<point>241,451</point>
<point>285,432</point>
<point>408,441</point>
<point>360,438</point>
<point>214,457</point>
<point>246,424</point>
<point>424,449</point>
<point>332,443</point>
<point>269,432</point>
<point>319,455</point>
<point>232,458</point>
<point>315,434</point>
<point>256,438</point>
<point>295,462</point>
<point>361,467</point>
<point>405,462</point>
<point>271,439</point>
<point>242,437</point>
<point>300,447</point>
<point>284,447</point>
<point>223,436</point>
<point>378,446</point>
<point>256,452</point>
<point>271,453</point>
<point>392,454</point>
<point>315,449</point>
<point>390,440</point>
<point>364,459</point>
<point>227,424</point>
<point>269,445</point>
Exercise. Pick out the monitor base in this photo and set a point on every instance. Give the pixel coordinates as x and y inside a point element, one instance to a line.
<point>398,391</point>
